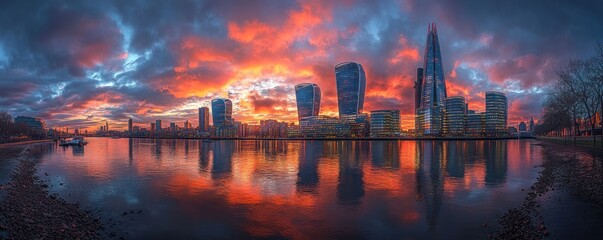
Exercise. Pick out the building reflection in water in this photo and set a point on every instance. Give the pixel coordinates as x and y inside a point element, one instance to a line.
<point>495,153</point>
<point>157,148</point>
<point>307,175</point>
<point>205,154</point>
<point>456,153</point>
<point>130,154</point>
<point>350,186</point>
<point>222,161</point>
<point>429,180</point>
<point>77,151</point>
<point>385,154</point>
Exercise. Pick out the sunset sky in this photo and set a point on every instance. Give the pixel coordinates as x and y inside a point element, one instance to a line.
<point>79,64</point>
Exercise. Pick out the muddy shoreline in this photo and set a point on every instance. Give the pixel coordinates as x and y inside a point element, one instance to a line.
<point>29,211</point>
<point>575,170</point>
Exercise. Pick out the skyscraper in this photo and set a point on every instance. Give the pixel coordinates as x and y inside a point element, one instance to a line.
<point>531,129</point>
<point>221,109</point>
<point>496,113</point>
<point>351,85</point>
<point>455,116</point>
<point>106,126</point>
<point>204,119</point>
<point>158,125</point>
<point>418,87</point>
<point>429,116</point>
<point>130,125</point>
<point>307,96</point>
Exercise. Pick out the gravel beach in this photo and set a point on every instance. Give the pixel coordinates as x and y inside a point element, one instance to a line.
<point>577,170</point>
<point>28,211</point>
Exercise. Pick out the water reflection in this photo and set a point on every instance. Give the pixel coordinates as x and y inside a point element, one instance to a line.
<point>307,175</point>
<point>300,189</point>
<point>385,154</point>
<point>496,162</point>
<point>350,187</point>
<point>222,160</point>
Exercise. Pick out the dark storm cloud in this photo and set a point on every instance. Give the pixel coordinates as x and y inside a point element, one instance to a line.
<point>151,56</point>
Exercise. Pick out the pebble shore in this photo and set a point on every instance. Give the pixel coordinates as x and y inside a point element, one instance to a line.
<point>29,211</point>
<point>565,168</point>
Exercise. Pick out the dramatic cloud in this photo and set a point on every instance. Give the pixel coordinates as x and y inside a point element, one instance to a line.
<point>79,64</point>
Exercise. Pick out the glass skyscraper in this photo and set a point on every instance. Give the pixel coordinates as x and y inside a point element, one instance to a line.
<point>351,85</point>
<point>307,96</point>
<point>496,113</point>
<point>204,119</point>
<point>429,116</point>
<point>455,116</point>
<point>418,88</point>
<point>221,109</point>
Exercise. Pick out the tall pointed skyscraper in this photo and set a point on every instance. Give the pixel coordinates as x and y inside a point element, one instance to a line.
<point>429,116</point>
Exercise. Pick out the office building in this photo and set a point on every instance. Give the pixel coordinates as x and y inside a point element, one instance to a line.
<point>173,127</point>
<point>204,119</point>
<point>358,124</point>
<point>33,123</point>
<point>323,127</point>
<point>307,96</point>
<point>158,126</point>
<point>429,115</point>
<point>130,125</point>
<point>475,124</point>
<point>351,85</point>
<point>531,129</point>
<point>221,109</point>
<point>455,116</point>
<point>385,123</point>
<point>522,127</point>
<point>418,87</point>
<point>496,114</point>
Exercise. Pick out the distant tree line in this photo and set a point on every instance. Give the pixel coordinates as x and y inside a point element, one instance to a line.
<point>10,131</point>
<point>574,98</point>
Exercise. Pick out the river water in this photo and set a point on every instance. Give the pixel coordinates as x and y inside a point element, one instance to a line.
<point>182,189</point>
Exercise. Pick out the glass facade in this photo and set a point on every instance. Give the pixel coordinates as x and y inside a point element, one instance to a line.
<point>475,124</point>
<point>385,123</point>
<point>496,114</point>
<point>158,126</point>
<point>454,118</point>
<point>307,96</point>
<point>351,85</point>
<point>34,123</point>
<point>221,109</point>
<point>323,126</point>
<point>433,88</point>
<point>418,88</point>
<point>359,124</point>
<point>204,119</point>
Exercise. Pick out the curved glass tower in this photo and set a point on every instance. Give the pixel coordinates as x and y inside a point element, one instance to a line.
<point>496,113</point>
<point>351,85</point>
<point>307,96</point>
<point>433,88</point>
<point>221,111</point>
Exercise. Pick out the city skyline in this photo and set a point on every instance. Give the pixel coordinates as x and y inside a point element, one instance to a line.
<point>82,65</point>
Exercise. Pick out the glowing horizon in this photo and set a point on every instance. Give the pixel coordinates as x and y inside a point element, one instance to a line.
<point>80,65</point>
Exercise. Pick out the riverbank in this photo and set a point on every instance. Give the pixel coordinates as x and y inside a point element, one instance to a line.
<point>583,141</point>
<point>567,171</point>
<point>339,138</point>
<point>13,144</point>
<point>28,211</point>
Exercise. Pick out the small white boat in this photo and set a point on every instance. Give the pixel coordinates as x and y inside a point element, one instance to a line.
<point>76,141</point>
